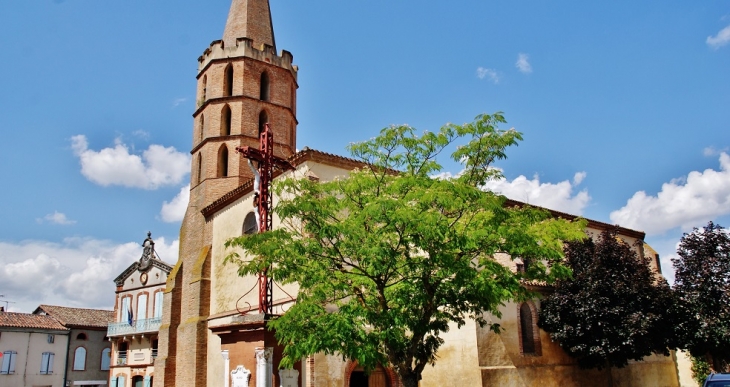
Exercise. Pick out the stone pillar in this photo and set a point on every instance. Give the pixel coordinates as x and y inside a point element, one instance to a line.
<point>289,378</point>
<point>226,365</point>
<point>264,366</point>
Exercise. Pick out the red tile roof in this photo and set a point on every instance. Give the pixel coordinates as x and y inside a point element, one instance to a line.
<point>78,317</point>
<point>26,320</point>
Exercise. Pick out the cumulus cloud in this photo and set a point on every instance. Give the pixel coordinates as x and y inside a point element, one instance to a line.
<point>174,211</point>
<point>157,166</point>
<point>523,64</point>
<point>56,218</point>
<point>712,151</point>
<point>488,73</point>
<point>78,272</point>
<point>555,196</point>
<point>684,202</point>
<point>722,38</point>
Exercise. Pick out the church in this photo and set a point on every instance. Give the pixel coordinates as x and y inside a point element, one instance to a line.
<point>213,332</point>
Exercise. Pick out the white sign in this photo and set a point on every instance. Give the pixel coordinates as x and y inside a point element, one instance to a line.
<point>240,377</point>
<point>289,378</point>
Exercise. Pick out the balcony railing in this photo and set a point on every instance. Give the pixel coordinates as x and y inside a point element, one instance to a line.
<point>139,326</point>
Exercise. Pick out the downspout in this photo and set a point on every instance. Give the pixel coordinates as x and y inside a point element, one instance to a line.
<point>65,368</point>
<point>27,351</point>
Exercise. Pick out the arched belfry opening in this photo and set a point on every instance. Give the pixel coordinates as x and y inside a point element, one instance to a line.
<point>226,121</point>
<point>223,161</point>
<point>204,92</point>
<point>202,127</point>
<point>263,120</point>
<point>228,81</point>
<point>199,177</point>
<point>264,87</point>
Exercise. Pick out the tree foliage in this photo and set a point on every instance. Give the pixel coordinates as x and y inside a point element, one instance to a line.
<point>612,310</point>
<point>702,286</point>
<point>387,260</point>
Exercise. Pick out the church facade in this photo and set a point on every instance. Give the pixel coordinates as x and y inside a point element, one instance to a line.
<point>212,333</point>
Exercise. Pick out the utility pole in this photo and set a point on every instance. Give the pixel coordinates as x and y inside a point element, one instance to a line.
<point>266,164</point>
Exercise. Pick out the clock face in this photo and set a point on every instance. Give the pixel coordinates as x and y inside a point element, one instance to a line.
<point>143,278</point>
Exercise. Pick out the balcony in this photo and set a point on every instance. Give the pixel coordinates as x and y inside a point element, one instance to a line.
<point>140,326</point>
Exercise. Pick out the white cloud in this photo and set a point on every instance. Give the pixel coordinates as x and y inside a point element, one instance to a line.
<point>685,202</point>
<point>56,218</point>
<point>174,211</point>
<point>78,272</point>
<point>144,135</point>
<point>722,38</point>
<point>559,196</point>
<point>712,151</point>
<point>177,101</point>
<point>488,73</point>
<point>157,166</point>
<point>523,64</point>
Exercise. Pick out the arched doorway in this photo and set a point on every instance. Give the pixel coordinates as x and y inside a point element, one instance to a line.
<point>137,381</point>
<point>378,378</point>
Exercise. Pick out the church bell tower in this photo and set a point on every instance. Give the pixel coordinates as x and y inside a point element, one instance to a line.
<point>242,84</point>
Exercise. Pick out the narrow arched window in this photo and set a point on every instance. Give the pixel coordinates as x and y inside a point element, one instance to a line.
<point>106,357</point>
<point>249,223</point>
<point>80,359</point>
<point>223,161</point>
<point>205,88</point>
<point>202,127</point>
<point>228,82</point>
<point>226,121</point>
<point>200,168</point>
<point>264,87</point>
<point>529,334</point>
<point>263,120</point>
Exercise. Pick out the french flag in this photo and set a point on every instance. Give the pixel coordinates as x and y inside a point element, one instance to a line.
<point>130,316</point>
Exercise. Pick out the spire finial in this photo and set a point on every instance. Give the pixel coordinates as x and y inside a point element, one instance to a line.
<point>249,19</point>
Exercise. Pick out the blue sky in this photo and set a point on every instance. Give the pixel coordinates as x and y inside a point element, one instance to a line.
<point>624,106</point>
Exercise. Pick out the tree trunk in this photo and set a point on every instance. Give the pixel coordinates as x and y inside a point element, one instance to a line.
<point>409,379</point>
<point>610,376</point>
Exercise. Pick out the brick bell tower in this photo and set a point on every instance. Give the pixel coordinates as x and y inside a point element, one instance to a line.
<point>242,84</point>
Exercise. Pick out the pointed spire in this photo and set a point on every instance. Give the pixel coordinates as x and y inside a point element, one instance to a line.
<point>249,19</point>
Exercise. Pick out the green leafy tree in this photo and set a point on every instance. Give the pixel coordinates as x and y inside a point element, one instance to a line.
<point>702,285</point>
<point>387,260</point>
<point>612,310</point>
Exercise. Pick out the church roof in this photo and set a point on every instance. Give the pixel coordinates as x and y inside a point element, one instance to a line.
<point>249,19</point>
<point>297,159</point>
<point>308,154</point>
<point>77,317</point>
<point>27,320</point>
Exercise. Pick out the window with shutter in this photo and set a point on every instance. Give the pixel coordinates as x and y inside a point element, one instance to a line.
<point>8,366</point>
<point>47,363</point>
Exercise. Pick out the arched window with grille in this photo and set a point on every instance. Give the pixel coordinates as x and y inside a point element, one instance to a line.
<point>529,332</point>
<point>249,224</point>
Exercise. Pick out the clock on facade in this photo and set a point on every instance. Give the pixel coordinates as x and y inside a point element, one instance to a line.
<point>143,278</point>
